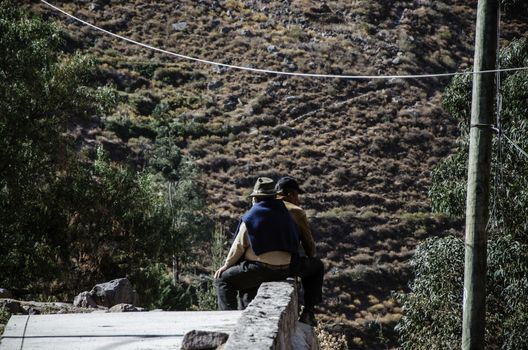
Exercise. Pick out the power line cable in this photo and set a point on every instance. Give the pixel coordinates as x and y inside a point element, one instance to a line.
<point>516,146</point>
<point>269,71</point>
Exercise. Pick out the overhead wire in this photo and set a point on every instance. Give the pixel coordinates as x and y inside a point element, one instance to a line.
<point>516,146</point>
<point>269,71</point>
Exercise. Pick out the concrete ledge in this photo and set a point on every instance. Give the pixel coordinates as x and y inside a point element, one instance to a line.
<point>270,320</point>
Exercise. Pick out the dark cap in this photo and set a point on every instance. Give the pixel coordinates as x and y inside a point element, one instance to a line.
<point>287,183</point>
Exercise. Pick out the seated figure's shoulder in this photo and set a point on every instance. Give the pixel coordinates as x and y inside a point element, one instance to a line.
<point>291,206</point>
<point>294,209</point>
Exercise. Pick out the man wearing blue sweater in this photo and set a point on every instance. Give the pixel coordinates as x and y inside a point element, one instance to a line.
<point>268,239</point>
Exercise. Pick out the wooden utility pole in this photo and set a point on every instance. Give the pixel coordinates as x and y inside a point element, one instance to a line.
<point>474,316</point>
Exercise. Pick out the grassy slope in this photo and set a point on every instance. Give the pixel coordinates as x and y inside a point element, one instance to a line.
<point>363,150</point>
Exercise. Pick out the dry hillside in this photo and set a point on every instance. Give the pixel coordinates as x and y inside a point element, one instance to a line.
<point>362,149</point>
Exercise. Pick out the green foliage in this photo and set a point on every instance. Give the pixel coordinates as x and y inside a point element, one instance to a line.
<point>67,222</point>
<point>448,190</point>
<point>515,7</point>
<point>158,290</point>
<point>206,293</point>
<point>434,302</point>
<point>433,308</point>
<point>129,223</point>
<point>507,293</point>
<point>510,194</point>
<point>39,90</point>
<point>4,318</point>
<point>457,100</point>
<point>175,76</point>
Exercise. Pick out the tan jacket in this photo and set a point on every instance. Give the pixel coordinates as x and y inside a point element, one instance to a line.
<point>299,216</point>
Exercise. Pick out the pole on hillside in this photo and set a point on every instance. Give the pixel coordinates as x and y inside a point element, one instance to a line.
<point>474,309</point>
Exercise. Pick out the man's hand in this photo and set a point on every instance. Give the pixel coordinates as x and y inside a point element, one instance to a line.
<point>219,272</point>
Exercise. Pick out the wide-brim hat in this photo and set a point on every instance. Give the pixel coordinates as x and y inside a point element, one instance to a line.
<point>287,183</point>
<point>264,187</point>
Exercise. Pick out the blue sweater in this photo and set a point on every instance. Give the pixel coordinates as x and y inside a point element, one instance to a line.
<point>271,227</point>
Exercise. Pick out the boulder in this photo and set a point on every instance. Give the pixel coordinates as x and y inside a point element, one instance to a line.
<point>115,292</point>
<point>225,30</point>
<point>31,310</point>
<point>180,26</point>
<point>5,293</point>
<point>84,299</point>
<point>219,69</point>
<point>231,103</point>
<point>215,84</point>
<point>272,48</point>
<point>12,306</point>
<point>201,340</point>
<point>246,33</point>
<point>123,307</point>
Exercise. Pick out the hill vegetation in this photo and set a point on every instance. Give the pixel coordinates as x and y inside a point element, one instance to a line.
<point>362,149</point>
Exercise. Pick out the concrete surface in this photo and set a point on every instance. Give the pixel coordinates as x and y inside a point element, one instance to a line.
<point>98,331</point>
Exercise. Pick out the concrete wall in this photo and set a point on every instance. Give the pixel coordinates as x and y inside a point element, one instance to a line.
<point>270,322</point>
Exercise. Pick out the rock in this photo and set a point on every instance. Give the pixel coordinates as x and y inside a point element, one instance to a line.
<point>324,8</point>
<point>97,5</point>
<point>272,48</point>
<point>180,26</point>
<point>84,299</point>
<point>231,103</point>
<point>94,6</point>
<point>123,307</point>
<point>215,23</point>
<point>201,340</point>
<point>264,25</point>
<point>12,306</point>
<point>291,98</point>
<point>115,292</point>
<point>219,69</point>
<point>245,32</point>
<point>5,293</point>
<point>290,65</point>
<point>396,60</point>
<point>215,84</point>
<point>30,310</point>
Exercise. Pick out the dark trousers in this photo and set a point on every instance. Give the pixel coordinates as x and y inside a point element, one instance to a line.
<point>245,276</point>
<point>311,272</point>
<point>246,296</point>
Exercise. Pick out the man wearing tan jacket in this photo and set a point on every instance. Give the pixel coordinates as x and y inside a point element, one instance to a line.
<point>288,190</point>
<point>304,264</point>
